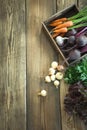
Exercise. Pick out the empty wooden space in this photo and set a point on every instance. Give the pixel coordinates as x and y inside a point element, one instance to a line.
<point>25,56</point>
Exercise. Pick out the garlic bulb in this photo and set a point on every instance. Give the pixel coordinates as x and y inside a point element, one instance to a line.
<point>47,79</point>
<point>59,75</point>
<point>56,83</point>
<point>51,71</point>
<point>52,77</point>
<point>54,64</point>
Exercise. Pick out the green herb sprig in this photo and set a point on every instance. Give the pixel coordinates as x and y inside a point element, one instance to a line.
<point>77,72</point>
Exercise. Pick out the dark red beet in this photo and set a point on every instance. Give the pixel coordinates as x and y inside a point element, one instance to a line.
<point>71,40</point>
<point>81,41</point>
<point>83,49</point>
<point>71,32</point>
<point>74,54</point>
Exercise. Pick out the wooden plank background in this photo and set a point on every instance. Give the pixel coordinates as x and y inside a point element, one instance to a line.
<point>25,56</point>
<point>12,65</point>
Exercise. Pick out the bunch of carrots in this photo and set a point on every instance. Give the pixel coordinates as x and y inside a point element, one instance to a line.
<point>62,25</point>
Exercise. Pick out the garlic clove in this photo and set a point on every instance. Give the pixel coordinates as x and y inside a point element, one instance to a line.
<point>52,77</point>
<point>59,75</point>
<point>56,83</point>
<point>51,71</point>
<point>54,64</point>
<point>47,79</point>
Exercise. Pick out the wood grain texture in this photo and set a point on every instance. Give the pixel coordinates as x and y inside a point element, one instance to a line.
<point>66,123</point>
<point>15,87</point>
<point>12,65</point>
<point>42,113</point>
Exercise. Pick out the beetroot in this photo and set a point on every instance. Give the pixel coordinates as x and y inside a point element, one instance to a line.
<point>81,41</point>
<point>83,49</point>
<point>71,40</point>
<point>74,54</point>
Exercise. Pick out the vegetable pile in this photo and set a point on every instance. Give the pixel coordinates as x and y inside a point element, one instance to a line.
<point>75,101</point>
<point>70,34</point>
<point>55,74</point>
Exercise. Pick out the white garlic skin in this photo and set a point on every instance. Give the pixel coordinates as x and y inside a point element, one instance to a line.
<point>51,71</point>
<point>59,75</point>
<point>59,40</point>
<point>54,64</point>
<point>56,83</point>
<point>52,77</point>
<point>47,79</point>
<point>43,93</point>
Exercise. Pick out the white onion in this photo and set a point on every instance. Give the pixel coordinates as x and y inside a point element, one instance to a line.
<point>47,79</point>
<point>54,64</point>
<point>51,71</point>
<point>59,75</point>
<point>52,77</point>
<point>60,40</point>
<point>56,83</point>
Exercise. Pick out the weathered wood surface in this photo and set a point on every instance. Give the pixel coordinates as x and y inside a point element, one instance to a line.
<point>44,114</point>
<point>12,65</point>
<point>20,106</point>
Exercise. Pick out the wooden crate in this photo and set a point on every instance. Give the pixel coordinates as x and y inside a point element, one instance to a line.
<point>68,12</point>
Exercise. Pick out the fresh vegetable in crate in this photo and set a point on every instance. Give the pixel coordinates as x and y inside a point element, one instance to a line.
<point>63,25</point>
<point>73,44</point>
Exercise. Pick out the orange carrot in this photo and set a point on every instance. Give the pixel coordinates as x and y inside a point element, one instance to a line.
<point>65,24</point>
<point>60,20</point>
<point>62,34</point>
<point>55,35</point>
<point>61,30</point>
<point>56,23</point>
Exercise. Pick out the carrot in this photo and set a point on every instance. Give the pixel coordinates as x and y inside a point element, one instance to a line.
<point>61,30</point>
<point>65,24</point>
<point>55,35</point>
<point>62,34</point>
<point>60,20</point>
<point>56,23</point>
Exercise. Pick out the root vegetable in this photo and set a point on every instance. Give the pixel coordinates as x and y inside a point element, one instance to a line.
<point>56,83</point>
<point>47,79</point>
<point>51,71</point>
<point>54,64</point>
<point>59,75</point>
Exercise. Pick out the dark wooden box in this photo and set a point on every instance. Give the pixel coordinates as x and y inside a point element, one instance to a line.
<point>68,12</point>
